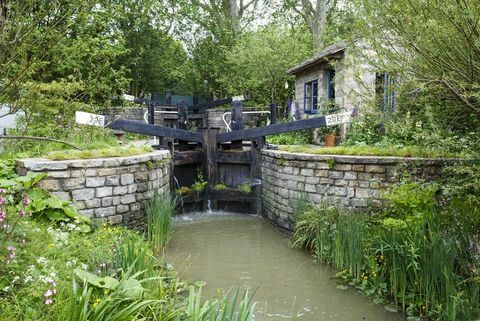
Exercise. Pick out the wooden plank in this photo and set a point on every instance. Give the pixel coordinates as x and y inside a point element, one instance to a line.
<point>210,163</point>
<point>272,129</point>
<point>152,130</point>
<point>233,157</point>
<point>188,157</point>
<point>210,104</point>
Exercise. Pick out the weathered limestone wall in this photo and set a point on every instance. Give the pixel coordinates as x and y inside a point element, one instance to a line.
<point>109,189</point>
<point>353,182</point>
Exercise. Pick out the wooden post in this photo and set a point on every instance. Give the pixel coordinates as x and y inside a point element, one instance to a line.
<point>237,121</point>
<point>151,114</point>
<point>273,113</point>
<point>210,165</point>
<point>182,112</point>
<point>256,173</point>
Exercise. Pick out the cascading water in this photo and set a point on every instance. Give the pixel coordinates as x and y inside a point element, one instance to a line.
<point>181,198</point>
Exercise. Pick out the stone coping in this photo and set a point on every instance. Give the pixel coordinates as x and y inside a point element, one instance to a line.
<point>42,164</point>
<point>357,159</point>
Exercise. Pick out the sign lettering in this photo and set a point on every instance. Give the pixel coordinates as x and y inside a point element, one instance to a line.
<point>84,118</point>
<point>336,119</point>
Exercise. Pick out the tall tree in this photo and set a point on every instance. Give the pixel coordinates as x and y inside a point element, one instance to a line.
<point>315,15</point>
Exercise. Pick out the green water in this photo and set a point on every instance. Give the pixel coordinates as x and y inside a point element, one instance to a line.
<point>231,250</point>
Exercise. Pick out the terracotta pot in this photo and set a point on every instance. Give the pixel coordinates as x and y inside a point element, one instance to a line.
<point>330,140</point>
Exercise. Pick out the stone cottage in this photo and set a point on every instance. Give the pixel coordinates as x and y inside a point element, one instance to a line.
<point>339,79</point>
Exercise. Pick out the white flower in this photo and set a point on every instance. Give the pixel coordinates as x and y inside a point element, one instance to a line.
<point>41,260</point>
<point>6,289</point>
<point>28,278</point>
<point>84,266</point>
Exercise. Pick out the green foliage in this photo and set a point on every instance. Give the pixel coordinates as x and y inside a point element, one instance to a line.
<point>220,187</point>
<point>200,183</point>
<point>259,59</point>
<point>435,57</point>
<point>99,153</point>
<point>23,195</point>
<point>160,211</point>
<point>245,188</point>
<point>417,254</point>
<point>291,138</point>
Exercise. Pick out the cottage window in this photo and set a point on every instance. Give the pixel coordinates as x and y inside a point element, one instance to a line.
<point>384,90</point>
<point>310,97</point>
<point>331,84</point>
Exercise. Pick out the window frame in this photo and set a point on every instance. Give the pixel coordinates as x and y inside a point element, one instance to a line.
<point>313,94</point>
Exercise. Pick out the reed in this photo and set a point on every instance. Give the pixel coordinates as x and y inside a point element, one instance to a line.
<point>160,211</point>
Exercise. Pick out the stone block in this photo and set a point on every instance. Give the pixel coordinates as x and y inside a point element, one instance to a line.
<point>310,188</point>
<point>358,168</point>
<point>83,194</point>
<point>105,211</point>
<point>337,191</point>
<point>93,203</point>
<point>107,201</point>
<point>64,196</point>
<point>142,187</point>
<point>91,172</point>
<point>350,175</point>
<point>312,180</point>
<point>322,165</point>
<point>128,199</point>
<point>374,169</point>
<point>73,183</point>
<point>107,171</point>
<point>123,208</point>
<point>152,175</point>
<point>363,193</point>
<point>86,213</point>
<point>358,202</point>
<point>307,172</point>
<point>59,174</point>
<point>335,174</point>
<point>115,219</point>
<point>120,190</point>
<point>104,191</point>
<point>135,207</point>
<point>321,173</point>
<point>77,173</point>
<point>365,176</point>
<point>342,167</point>
<point>340,182</point>
<point>112,180</point>
<point>139,177</point>
<point>132,188</point>
<point>116,200</point>
<point>95,181</point>
<point>49,184</point>
<point>127,179</point>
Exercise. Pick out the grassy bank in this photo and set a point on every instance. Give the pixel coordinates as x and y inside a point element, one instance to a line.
<point>55,265</point>
<point>418,255</point>
<point>406,151</point>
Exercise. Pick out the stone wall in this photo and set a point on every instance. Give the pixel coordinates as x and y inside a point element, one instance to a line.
<point>353,182</point>
<point>108,189</point>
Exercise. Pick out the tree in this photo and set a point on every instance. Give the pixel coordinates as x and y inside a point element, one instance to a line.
<point>314,14</point>
<point>259,60</point>
<point>433,48</point>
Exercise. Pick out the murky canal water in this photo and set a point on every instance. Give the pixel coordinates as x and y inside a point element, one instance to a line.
<point>231,250</point>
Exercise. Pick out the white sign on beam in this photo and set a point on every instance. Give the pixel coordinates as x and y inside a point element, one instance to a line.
<point>84,118</point>
<point>238,98</point>
<point>337,119</point>
<point>128,97</point>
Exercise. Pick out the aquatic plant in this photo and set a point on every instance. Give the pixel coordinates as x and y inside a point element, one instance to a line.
<point>415,253</point>
<point>244,188</point>
<point>220,187</point>
<point>159,211</point>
